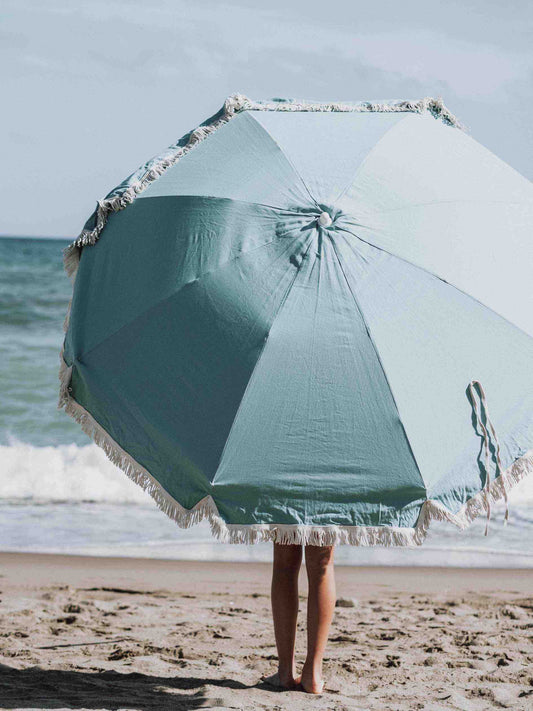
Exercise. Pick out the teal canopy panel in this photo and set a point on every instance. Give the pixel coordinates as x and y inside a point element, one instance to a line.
<point>294,320</point>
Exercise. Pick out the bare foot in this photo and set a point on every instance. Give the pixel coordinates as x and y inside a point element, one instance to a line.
<point>275,680</point>
<point>312,685</point>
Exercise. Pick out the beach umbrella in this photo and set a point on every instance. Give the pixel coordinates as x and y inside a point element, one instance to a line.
<point>294,321</point>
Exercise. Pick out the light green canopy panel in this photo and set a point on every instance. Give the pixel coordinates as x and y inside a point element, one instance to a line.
<point>294,321</point>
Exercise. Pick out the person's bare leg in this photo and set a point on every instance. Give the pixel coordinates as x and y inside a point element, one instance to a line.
<point>284,593</point>
<point>320,608</point>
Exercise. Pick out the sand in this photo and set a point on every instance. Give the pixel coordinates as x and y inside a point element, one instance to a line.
<point>124,633</point>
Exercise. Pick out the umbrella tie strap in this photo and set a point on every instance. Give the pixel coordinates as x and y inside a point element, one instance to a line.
<point>478,408</point>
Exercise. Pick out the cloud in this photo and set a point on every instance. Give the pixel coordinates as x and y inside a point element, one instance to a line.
<point>468,69</point>
<point>97,86</point>
<point>212,39</point>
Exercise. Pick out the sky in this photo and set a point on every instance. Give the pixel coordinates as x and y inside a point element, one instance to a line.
<point>91,89</point>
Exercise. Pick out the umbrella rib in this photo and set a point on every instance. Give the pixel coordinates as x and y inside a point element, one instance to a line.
<point>289,161</point>
<point>428,271</point>
<point>265,341</point>
<point>197,278</point>
<point>443,345</point>
<point>281,210</point>
<point>365,159</point>
<point>376,351</point>
<point>450,202</point>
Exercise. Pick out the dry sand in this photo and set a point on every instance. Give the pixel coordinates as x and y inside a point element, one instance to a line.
<point>103,633</point>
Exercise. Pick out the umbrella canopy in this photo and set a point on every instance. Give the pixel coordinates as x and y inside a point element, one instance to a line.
<point>297,324</point>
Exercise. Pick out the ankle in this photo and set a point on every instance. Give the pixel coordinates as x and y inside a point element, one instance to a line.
<point>287,672</point>
<point>312,670</point>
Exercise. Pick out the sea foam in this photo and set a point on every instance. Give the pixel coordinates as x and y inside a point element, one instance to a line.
<point>66,472</point>
<point>70,472</point>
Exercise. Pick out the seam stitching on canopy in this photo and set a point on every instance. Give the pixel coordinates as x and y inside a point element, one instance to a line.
<point>381,364</point>
<point>261,353</point>
<point>365,160</point>
<point>186,284</point>
<point>433,274</point>
<point>289,161</point>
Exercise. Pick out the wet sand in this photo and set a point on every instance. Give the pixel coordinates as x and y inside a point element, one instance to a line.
<point>124,633</point>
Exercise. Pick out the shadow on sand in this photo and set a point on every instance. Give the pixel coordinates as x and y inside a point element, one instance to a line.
<point>53,689</point>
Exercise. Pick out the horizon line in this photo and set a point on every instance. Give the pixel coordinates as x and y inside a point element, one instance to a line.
<point>41,237</point>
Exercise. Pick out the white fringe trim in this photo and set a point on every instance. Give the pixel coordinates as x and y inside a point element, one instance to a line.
<point>206,508</point>
<point>232,106</point>
<point>287,533</point>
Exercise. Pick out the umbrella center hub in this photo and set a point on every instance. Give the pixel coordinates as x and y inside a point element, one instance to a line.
<point>324,219</point>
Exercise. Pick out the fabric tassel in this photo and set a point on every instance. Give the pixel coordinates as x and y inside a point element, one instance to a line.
<point>480,410</point>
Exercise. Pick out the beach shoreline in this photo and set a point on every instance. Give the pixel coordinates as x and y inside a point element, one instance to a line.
<point>110,633</point>
<point>188,575</point>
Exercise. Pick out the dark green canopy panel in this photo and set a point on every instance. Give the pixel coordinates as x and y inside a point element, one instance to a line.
<point>294,320</point>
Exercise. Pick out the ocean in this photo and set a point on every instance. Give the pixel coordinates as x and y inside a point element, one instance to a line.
<point>59,493</point>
